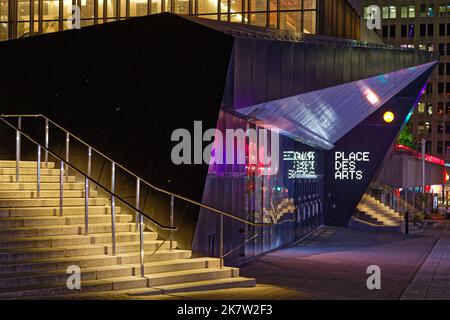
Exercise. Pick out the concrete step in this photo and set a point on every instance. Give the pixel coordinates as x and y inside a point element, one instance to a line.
<point>24,164</point>
<point>207,285</point>
<point>126,247</point>
<point>29,194</point>
<point>72,240</point>
<point>177,265</point>
<point>20,255</point>
<point>192,275</point>
<point>31,171</point>
<point>22,281</point>
<point>54,211</point>
<point>170,280</point>
<point>160,255</point>
<point>64,220</point>
<point>33,178</point>
<point>11,186</point>
<point>108,284</point>
<point>38,265</point>
<point>381,211</point>
<point>51,202</point>
<point>60,230</point>
<point>12,255</point>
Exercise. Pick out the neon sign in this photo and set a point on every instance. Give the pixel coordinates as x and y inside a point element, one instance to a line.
<point>304,164</point>
<point>346,165</point>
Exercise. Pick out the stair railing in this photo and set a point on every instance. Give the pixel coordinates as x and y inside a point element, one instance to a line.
<point>65,165</point>
<point>396,202</point>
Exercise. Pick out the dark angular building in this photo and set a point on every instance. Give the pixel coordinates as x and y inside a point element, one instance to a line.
<point>125,87</point>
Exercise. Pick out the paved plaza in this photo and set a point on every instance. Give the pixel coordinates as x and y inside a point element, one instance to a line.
<point>333,262</point>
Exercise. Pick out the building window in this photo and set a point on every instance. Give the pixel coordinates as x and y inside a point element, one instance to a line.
<point>423,10</point>
<point>412,11</point>
<point>423,30</point>
<point>429,89</point>
<point>392,31</point>
<point>442,28</point>
<point>431,30</point>
<point>440,109</point>
<point>408,12</point>
<point>411,31</point>
<point>385,32</point>
<point>50,15</point>
<point>447,127</point>
<point>428,147</point>
<point>440,88</point>
<point>440,128</point>
<point>404,31</point>
<point>424,128</point>
<point>404,12</point>
<point>448,68</point>
<point>441,69</point>
<point>429,108</point>
<point>442,49</point>
<point>440,147</point>
<point>421,107</point>
<point>389,12</point>
<point>442,9</point>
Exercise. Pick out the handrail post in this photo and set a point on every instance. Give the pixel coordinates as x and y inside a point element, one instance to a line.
<point>38,176</point>
<point>61,188</point>
<point>141,244</point>
<point>113,208</point>
<point>46,142</point>
<point>221,241</point>
<point>86,194</point>
<point>138,193</point>
<point>172,202</point>
<point>67,153</point>
<point>18,138</point>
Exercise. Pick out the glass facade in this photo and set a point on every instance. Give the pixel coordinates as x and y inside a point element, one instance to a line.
<point>21,17</point>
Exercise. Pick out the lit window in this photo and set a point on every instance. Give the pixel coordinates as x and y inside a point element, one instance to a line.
<point>421,107</point>
<point>412,12</point>
<point>392,12</point>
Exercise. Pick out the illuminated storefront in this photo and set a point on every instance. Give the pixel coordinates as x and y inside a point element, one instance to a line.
<point>21,17</point>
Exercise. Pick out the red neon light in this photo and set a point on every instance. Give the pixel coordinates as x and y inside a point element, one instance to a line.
<point>428,158</point>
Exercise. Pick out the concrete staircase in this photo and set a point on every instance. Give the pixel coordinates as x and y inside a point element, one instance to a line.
<point>37,245</point>
<point>378,216</point>
<point>378,213</point>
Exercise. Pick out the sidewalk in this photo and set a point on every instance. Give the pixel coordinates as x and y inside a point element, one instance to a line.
<point>332,264</point>
<point>433,279</point>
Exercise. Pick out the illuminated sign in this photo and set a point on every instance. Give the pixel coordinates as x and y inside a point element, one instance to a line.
<point>303,164</point>
<point>346,165</point>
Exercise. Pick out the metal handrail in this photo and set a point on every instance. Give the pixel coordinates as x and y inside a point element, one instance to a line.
<point>389,190</point>
<point>162,227</point>
<point>207,207</point>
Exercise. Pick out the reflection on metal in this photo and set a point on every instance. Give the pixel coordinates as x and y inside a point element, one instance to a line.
<point>320,118</point>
